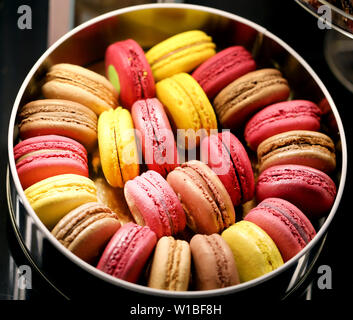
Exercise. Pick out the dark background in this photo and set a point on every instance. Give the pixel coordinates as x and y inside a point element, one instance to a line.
<point>19,50</point>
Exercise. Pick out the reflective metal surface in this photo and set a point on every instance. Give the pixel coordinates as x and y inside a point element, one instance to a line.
<point>148,25</point>
<point>340,20</point>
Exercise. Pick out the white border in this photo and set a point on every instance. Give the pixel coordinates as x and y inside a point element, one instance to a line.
<point>140,288</point>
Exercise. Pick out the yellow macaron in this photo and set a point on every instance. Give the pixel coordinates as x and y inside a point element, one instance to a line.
<point>254,251</point>
<point>117,146</point>
<point>54,197</point>
<point>180,53</point>
<point>187,106</point>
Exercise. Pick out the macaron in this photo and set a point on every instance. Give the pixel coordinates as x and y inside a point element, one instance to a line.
<point>227,157</point>
<point>117,146</point>
<point>226,66</point>
<point>54,197</point>
<point>127,252</point>
<point>86,230</point>
<point>311,190</point>
<point>42,157</point>
<point>180,53</point>
<point>155,135</point>
<point>238,101</point>
<point>188,108</point>
<point>59,117</point>
<point>129,72</point>
<point>287,226</point>
<point>281,117</point>
<point>213,261</point>
<point>72,82</point>
<point>206,202</point>
<point>171,265</point>
<point>254,251</point>
<point>153,202</point>
<point>309,148</point>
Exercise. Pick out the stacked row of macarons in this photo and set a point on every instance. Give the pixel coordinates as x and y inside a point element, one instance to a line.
<point>183,218</point>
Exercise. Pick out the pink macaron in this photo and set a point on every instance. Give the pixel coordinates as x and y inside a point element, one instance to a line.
<point>281,117</point>
<point>227,157</point>
<point>153,202</point>
<point>127,252</point>
<point>42,157</point>
<point>155,135</point>
<point>129,72</point>
<point>288,227</point>
<point>311,190</point>
<point>223,68</point>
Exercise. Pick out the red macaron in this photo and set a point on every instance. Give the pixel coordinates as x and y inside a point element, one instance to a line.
<point>153,202</point>
<point>281,117</point>
<point>129,72</point>
<point>311,190</point>
<point>42,157</point>
<point>223,68</point>
<point>288,227</point>
<point>155,135</point>
<point>127,252</point>
<point>227,157</point>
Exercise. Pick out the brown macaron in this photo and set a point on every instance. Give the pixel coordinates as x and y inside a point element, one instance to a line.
<point>76,83</point>
<point>86,230</point>
<point>309,148</point>
<point>248,94</point>
<point>59,117</point>
<point>206,202</point>
<point>213,261</point>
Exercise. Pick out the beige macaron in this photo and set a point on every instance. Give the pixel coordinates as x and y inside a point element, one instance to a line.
<point>76,83</point>
<point>171,265</point>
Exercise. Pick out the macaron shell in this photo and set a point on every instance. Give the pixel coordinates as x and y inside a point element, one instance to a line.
<point>171,265</point>
<point>127,252</point>
<point>41,157</point>
<point>309,189</point>
<point>282,117</point>
<point>205,201</point>
<point>59,117</point>
<point>224,67</point>
<point>188,107</point>
<point>146,207</point>
<point>254,251</point>
<point>86,230</point>
<point>75,83</point>
<point>170,199</point>
<point>241,163</point>
<point>217,157</point>
<point>134,73</point>
<point>248,94</point>
<point>54,197</point>
<point>313,149</point>
<point>287,226</point>
<point>180,53</point>
<point>213,261</point>
<point>117,146</point>
<point>156,136</point>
